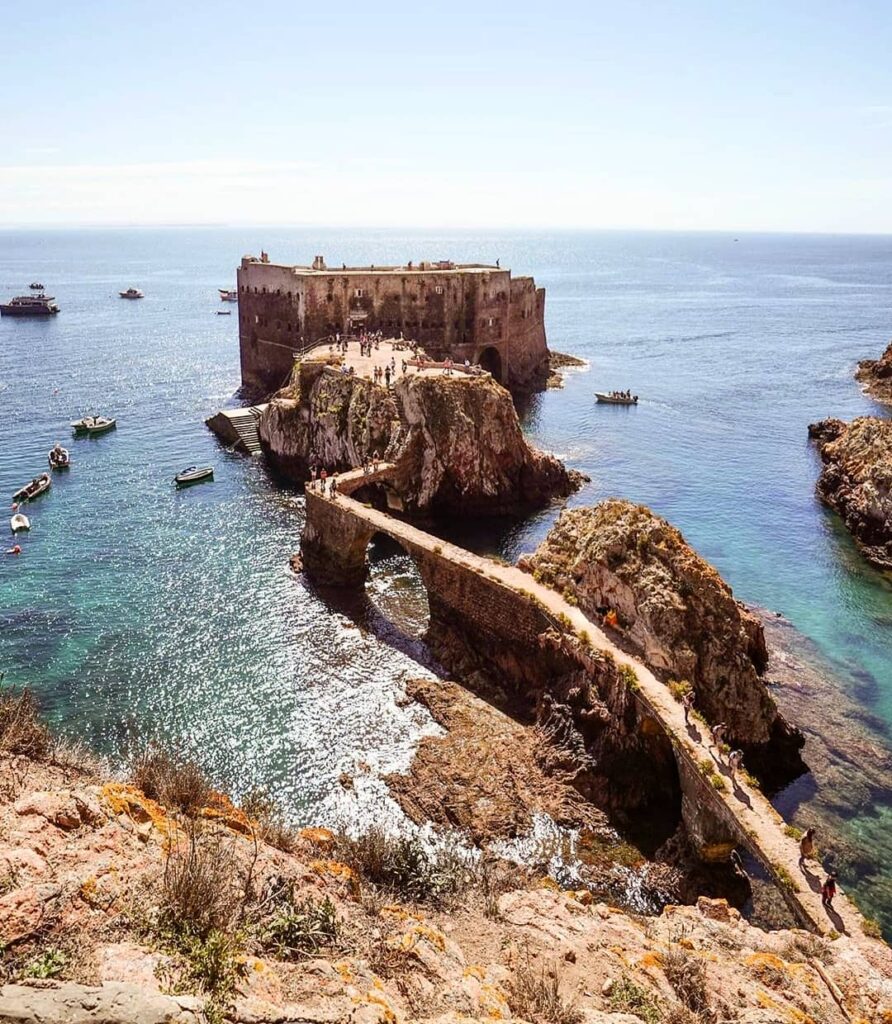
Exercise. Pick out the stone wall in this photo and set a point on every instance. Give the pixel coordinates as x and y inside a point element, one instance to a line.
<point>477,313</point>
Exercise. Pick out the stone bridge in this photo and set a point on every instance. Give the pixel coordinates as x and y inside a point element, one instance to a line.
<point>505,607</point>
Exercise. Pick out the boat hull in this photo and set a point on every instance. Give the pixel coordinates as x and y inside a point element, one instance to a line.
<point>190,479</point>
<point>19,523</point>
<point>24,494</point>
<point>40,314</point>
<point>609,400</point>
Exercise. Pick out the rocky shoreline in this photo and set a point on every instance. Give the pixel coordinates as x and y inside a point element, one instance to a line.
<point>876,375</point>
<point>856,480</point>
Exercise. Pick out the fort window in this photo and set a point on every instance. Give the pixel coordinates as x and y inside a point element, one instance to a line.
<point>439,289</point>
<point>357,292</point>
<point>329,297</point>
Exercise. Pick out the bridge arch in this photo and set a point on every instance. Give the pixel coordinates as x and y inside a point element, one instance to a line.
<point>491,360</point>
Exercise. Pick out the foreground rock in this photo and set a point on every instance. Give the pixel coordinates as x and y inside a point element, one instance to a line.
<point>456,441</point>
<point>679,613</point>
<point>856,480</point>
<point>876,375</point>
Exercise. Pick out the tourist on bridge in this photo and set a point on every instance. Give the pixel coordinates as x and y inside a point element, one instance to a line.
<point>333,486</point>
<point>806,847</point>
<point>687,702</point>
<point>323,476</point>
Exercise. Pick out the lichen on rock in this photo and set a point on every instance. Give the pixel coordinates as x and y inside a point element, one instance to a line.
<point>678,612</point>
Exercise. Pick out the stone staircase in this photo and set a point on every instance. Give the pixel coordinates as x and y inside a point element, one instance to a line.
<point>244,421</point>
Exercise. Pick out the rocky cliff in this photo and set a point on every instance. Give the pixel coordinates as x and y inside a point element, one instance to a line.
<point>676,610</point>
<point>876,374</point>
<point>456,441</point>
<point>856,480</point>
<point>116,908</point>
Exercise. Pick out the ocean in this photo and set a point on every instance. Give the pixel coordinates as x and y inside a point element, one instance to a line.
<point>135,610</point>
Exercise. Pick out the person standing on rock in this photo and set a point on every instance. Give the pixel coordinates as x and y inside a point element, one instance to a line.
<point>718,735</point>
<point>687,702</point>
<point>323,476</point>
<point>828,889</point>
<point>806,847</point>
<point>735,760</point>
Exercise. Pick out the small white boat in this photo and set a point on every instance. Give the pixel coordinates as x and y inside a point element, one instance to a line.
<point>228,294</point>
<point>194,475</point>
<point>132,293</point>
<point>20,522</point>
<point>612,399</point>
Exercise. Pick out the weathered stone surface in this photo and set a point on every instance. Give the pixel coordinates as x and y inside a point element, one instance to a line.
<point>676,609</point>
<point>456,441</point>
<point>24,911</point>
<point>113,1003</point>
<point>876,374</point>
<point>856,480</point>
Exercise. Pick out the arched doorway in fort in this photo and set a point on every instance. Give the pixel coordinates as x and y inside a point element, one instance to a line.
<point>491,361</point>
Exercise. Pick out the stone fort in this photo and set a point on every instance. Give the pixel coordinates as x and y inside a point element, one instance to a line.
<point>464,311</point>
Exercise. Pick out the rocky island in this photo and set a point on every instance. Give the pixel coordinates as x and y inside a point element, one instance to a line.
<point>456,442</point>
<point>856,480</point>
<point>876,375</point>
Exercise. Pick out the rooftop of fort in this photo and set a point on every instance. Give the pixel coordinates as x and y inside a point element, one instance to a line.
<point>319,266</point>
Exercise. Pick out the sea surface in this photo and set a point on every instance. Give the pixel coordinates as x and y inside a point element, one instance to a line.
<point>135,610</point>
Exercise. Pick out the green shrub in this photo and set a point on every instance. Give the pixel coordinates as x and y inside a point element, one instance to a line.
<point>680,688</point>
<point>872,928</point>
<point>785,879</point>
<point>627,996</point>
<point>47,964</point>
<point>793,832</point>
<point>630,677</point>
<point>298,927</point>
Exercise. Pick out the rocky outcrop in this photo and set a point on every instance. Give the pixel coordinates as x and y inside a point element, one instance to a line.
<point>461,448</point>
<point>300,935</point>
<point>876,375</point>
<point>337,420</point>
<point>675,609</point>
<point>856,480</point>
<point>456,441</point>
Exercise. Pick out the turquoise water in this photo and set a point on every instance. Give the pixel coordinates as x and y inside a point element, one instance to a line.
<point>134,608</point>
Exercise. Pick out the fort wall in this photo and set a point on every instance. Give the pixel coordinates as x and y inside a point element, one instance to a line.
<point>471,312</point>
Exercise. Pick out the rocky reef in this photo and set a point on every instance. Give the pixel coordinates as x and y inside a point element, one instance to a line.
<point>679,614</point>
<point>856,480</point>
<point>456,441</point>
<point>876,375</point>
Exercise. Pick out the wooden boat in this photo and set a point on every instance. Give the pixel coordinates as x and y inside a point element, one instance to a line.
<point>608,399</point>
<point>59,458</point>
<point>93,425</point>
<point>194,475</point>
<point>19,522</point>
<point>31,490</point>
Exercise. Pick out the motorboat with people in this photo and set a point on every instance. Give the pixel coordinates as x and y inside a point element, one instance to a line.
<point>132,293</point>
<point>19,522</point>
<point>228,294</point>
<point>30,305</point>
<point>616,397</point>
<point>59,457</point>
<point>34,489</point>
<point>36,286</point>
<point>194,475</point>
<point>93,425</point>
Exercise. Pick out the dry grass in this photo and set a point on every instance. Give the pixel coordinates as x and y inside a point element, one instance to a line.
<point>272,825</point>
<point>534,994</point>
<point>173,780</point>
<point>687,976</point>
<point>21,730</point>
<point>200,890</point>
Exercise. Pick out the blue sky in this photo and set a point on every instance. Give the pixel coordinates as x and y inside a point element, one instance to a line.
<point>720,115</point>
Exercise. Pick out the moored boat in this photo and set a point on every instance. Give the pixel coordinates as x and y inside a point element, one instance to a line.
<point>59,457</point>
<point>19,522</point>
<point>194,475</point>
<point>611,398</point>
<point>132,293</point>
<point>30,305</point>
<point>228,294</point>
<point>224,312</point>
<point>93,425</point>
<point>33,489</point>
